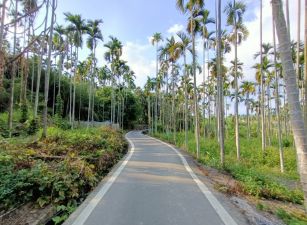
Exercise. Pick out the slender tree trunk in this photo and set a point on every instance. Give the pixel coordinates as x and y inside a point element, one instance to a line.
<point>45,116</point>
<point>90,98</point>
<point>148,113</point>
<point>288,18</point>
<point>156,98</point>
<point>236,89</point>
<point>173,105</point>
<point>93,106</point>
<point>269,113</point>
<point>296,118</point>
<point>277,105</point>
<point>11,104</point>
<point>186,123</point>
<point>262,87</point>
<point>2,60</point>
<point>247,116</point>
<point>298,40</point>
<point>195,94</point>
<point>74,90</point>
<point>204,83</point>
<point>32,78</point>
<point>54,95</point>
<point>220,85</point>
<point>40,59</point>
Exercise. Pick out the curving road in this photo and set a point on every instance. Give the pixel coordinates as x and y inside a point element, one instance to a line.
<point>153,185</point>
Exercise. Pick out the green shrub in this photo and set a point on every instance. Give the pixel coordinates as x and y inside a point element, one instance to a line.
<point>33,126</point>
<point>24,113</point>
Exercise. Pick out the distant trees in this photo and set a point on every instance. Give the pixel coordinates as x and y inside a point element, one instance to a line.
<point>53,55</point>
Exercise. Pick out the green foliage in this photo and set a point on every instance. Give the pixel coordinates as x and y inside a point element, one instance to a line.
<point>4,99</point>
<point>61,123</point>
<point>258,175</point>
<point>33,126</point>
<point>85,155</point>
<point>63,211</point>
<point>24,113</point>
<point>59,105</point>
<point>290,219</point>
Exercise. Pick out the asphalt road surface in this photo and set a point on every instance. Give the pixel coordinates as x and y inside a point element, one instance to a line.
<point>153,185</point>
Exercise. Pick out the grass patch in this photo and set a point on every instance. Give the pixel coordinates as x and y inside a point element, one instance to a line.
<point>258,174</point>
<point>60,170</point>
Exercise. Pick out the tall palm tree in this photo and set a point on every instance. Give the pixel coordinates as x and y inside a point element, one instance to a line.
<point>262,87</point>
<point>207,38</point>
<point>11,104</point>
<point>112,55</point>
<point>219,71</point>
<point>235,11</point>
<point>194,7</point>
<point>77,27</point>
<point>184,45</point>
<point>156,39</point>
<point>61,46</point>
<point>42,48</point>
<point>94,35</point>
<point>45,119</point>
<point>149,86</point>
<point>277,101</point>
<point>296,118</point>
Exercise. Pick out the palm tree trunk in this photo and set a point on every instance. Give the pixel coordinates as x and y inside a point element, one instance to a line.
<point>89,98</point>
<point>32,78</point>
<point>11,104</point>
<point>277,105</point>
<point>220,85</point>
<point>173,106</point>
<point>204,83</point>
<point>296,118</point>
<point>186,111</point>
<point>236,89</point>
<point>156,97</point>
<point>269,114</point>
<point>288,18</point>
<point>54,95</point>
<point>247,116</point>
<point>148,113</point>
<point>39,66</point>
<point>195,94</point>
<point>45,121</point>
<point>93,106</point>
<point>262,87</point>
<point>2,61</point>
<point>74,90</point>
<point>298,40</point>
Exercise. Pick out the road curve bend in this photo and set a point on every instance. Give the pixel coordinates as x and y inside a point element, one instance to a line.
<point>152,185</point>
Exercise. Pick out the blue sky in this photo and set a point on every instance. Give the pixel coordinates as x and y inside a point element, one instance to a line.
<point>134,21</point>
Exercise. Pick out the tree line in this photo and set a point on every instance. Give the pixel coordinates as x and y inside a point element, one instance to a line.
<point>275,102</point>
<point>42,77</point>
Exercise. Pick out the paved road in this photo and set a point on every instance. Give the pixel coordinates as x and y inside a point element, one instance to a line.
<point>154,185</point>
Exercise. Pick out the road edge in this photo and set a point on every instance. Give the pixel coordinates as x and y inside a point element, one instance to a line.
<point>214,202</point>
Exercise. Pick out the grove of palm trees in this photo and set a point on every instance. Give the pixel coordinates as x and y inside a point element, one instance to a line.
<point>65,107</point>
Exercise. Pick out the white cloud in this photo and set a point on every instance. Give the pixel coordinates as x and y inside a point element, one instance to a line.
<point>249,47</point>
<point>141,60</point>
<point>175,28</point>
